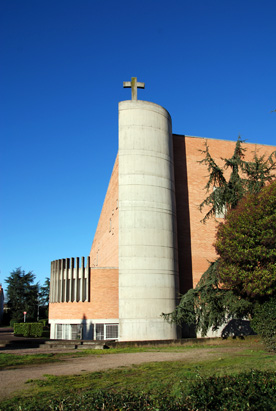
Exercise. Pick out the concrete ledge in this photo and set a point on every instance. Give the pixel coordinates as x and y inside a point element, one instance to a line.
<point>78,344</point>
<point>109,344</point>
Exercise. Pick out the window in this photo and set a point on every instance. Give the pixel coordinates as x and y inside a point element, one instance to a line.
<point>59,331</point>
<point>68,331</point>
<point>220,212</point>
<point>111,331</point>
<point>76,331</point>
<point>106,331</point>
<point>99,331</point>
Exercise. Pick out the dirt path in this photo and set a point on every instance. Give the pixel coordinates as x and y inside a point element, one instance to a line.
<point>14,379</point>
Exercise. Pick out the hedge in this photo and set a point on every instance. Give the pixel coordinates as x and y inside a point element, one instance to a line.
<point>28,329</point>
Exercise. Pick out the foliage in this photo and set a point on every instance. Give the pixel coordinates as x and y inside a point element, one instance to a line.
<point>246,244</point>
<point>245,177</point>
<point>259,172</point>
<point>12,322</point>
<point>209,305</point>
<point>252,391</point>
<point>227,193</point>
<point>28,329</point>
<point>108,401</point>
<point>44,292</point>
<point>22,294</point>
<point>264,322</point>
<point>43,321</point>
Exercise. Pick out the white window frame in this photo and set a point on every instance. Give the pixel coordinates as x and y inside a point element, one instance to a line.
<point>68,331</point>
<point>221,214</point>
<point>104,331</point>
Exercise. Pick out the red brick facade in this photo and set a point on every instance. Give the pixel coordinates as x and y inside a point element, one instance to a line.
<point>195,239</point>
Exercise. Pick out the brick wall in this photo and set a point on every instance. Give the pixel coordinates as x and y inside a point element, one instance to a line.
<point>195,239</point>
<point>103,299</point>
<point>105,248</point>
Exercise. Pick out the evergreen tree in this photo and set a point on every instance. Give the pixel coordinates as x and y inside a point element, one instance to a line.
<point>44,292</point>
<point>22,295</point>
<point>210,304</point>
<point>246,244</point>
<point>245,177</point>
<point>204,306</point>
<point>224,194</point>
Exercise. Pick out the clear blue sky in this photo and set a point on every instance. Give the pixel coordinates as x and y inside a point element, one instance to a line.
<point>211,64</point>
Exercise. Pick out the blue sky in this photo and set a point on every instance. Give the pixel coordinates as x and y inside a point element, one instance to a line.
<point>211,64</point>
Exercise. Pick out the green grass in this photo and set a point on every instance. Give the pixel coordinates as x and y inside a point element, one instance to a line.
<point>15,361</point>
<point>18,360</point>
<point>153,378</point>
<point>156,376</point>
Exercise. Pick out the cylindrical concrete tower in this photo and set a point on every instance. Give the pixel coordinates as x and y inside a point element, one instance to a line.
<point>148,260</point>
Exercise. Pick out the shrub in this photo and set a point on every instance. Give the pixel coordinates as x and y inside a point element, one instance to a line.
<point>12,322</point>
<point>252,391</point>
<point>264,322</point>
<point>44,321</point>
<point>96,401</point>
<point>28,329</point>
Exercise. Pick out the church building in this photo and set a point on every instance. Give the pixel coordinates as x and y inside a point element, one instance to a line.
<point>150,244</point>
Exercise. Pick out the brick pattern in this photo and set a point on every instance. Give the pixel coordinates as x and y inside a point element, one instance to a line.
<point>103,303</point>
<point>195,239</point>
<point>105,248</point>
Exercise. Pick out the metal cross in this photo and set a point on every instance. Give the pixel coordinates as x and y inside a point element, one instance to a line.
<point>133,84</point>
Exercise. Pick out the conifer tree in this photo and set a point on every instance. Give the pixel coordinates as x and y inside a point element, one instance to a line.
<point>245,177</point>
<point>209,304</point>
<point>22,295</point>
<point>224,195</point>
<point>44,293</point>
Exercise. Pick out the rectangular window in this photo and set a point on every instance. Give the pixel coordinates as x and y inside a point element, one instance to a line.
<point>59,331</point>
<point>106,331</point>
<point>220,213</point>
<point>111,331</point>
<point>99,331</point>
<point>76,332</point>
<point>68,331</point>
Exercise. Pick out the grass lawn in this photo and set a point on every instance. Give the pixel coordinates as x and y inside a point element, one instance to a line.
<point>153,379</point>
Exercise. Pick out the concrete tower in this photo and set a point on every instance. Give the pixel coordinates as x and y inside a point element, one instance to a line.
<point>148,258</point>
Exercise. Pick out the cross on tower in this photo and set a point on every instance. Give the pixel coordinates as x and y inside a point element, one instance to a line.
<point>133,84</point>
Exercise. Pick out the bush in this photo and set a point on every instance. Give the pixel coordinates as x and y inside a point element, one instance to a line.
<point>96,401</point>
<point>28,329</point>
<point>264,322</point>
<point>44,321</point>
<point>12,322</point>
<point>252,391</point>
